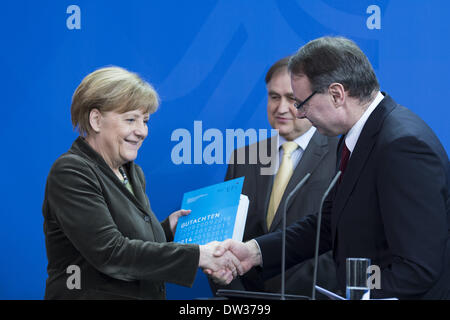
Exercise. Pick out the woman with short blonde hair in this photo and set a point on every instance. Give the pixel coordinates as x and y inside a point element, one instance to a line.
<point>96,213</point>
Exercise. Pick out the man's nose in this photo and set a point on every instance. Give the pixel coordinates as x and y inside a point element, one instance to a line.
<point>285,106</point>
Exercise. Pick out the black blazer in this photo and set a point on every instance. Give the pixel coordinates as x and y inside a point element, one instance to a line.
<point>92,221</point>
<point>319,159</point>
<point>392,206</point>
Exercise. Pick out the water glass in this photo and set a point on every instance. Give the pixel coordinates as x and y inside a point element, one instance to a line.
<point>357,286</point>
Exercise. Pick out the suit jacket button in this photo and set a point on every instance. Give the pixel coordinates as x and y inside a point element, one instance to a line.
<point>147,219</point>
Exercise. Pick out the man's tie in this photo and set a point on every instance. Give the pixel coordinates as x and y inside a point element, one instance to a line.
<point>345,155</point>
<point>281,180</point>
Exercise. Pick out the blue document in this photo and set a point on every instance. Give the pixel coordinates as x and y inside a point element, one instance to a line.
<point>218,213</point>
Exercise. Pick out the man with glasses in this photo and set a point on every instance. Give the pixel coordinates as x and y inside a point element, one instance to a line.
<point>301,150</point>
<point>392,204</point>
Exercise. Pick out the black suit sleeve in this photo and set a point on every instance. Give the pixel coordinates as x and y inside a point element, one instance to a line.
<point>411,183</point>
<point>300,242</point>
<point>231,169</point>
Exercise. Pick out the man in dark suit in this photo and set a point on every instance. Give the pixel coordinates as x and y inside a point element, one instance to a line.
<point>315,154</point>
<point>392,204</point>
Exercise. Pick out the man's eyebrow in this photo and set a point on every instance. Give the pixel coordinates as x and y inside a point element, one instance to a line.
<point>291,96</point>
<point>296,99</point>
<point>273,92</point>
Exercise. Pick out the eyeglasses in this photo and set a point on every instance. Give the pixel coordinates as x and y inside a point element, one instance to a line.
<point>301,104</point>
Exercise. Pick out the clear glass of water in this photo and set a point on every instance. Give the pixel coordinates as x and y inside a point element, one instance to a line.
<point>357,286</point>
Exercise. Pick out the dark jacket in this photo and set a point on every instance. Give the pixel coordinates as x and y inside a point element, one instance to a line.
<point>319,159</point>
<point>93,222</point>
<point>392,206</point>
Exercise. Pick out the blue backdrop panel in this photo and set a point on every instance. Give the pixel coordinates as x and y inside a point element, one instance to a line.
<point>207,59</point>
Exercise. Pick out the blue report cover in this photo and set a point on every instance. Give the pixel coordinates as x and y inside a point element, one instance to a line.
<point>218,213</point>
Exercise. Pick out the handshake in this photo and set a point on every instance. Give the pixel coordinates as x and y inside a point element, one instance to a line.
<point>224,261</point>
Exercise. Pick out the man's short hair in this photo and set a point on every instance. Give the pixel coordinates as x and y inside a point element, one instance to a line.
<point>277,66</point>
<point>335,59</point>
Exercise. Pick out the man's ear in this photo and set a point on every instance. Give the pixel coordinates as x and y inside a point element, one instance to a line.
<point>95,117</point>
<point>337,93</point>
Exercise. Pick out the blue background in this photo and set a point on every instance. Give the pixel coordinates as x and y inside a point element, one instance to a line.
<point>207,59</point>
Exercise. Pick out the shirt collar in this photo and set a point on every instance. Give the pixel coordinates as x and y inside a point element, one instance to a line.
<point>352,136</point>
<point>302,140</point>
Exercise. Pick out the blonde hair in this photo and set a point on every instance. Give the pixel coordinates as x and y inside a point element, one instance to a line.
<point>111,89</point>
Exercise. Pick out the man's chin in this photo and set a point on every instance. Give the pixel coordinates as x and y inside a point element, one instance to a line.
<point>283,131</point>
<point>327,133</point>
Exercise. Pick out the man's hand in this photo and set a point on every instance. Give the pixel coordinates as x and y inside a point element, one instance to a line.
<point>248,253</point>
<point>222,268</point>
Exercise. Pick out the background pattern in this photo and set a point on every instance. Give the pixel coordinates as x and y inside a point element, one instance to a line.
<point>207,59</point>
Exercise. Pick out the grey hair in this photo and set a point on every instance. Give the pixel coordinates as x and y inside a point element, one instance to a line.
<point>328,60</point>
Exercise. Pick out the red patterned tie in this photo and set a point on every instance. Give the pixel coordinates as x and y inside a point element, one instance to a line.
<point>345,155</point>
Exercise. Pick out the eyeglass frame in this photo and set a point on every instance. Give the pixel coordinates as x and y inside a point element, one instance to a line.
<point>300,105</point>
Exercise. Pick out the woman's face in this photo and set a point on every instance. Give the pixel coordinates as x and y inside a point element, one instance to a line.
<point>121,135</point>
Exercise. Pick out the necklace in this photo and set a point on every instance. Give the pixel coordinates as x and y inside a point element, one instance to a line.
<point>124,175</point>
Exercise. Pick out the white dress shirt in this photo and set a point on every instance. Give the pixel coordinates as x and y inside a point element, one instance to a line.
<point>353,135</point>
<point>296,155</point>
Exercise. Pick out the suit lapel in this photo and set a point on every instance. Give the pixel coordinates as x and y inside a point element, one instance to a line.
<point>140,200</point>
<point>359,157</point>
<point>82,148</point>
<point>316,150</point>
<point>263,185</point>
<point>265,182</point>
<point>138,188</point>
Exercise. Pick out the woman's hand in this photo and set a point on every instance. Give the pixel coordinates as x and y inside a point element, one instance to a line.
<point>173,218</point>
